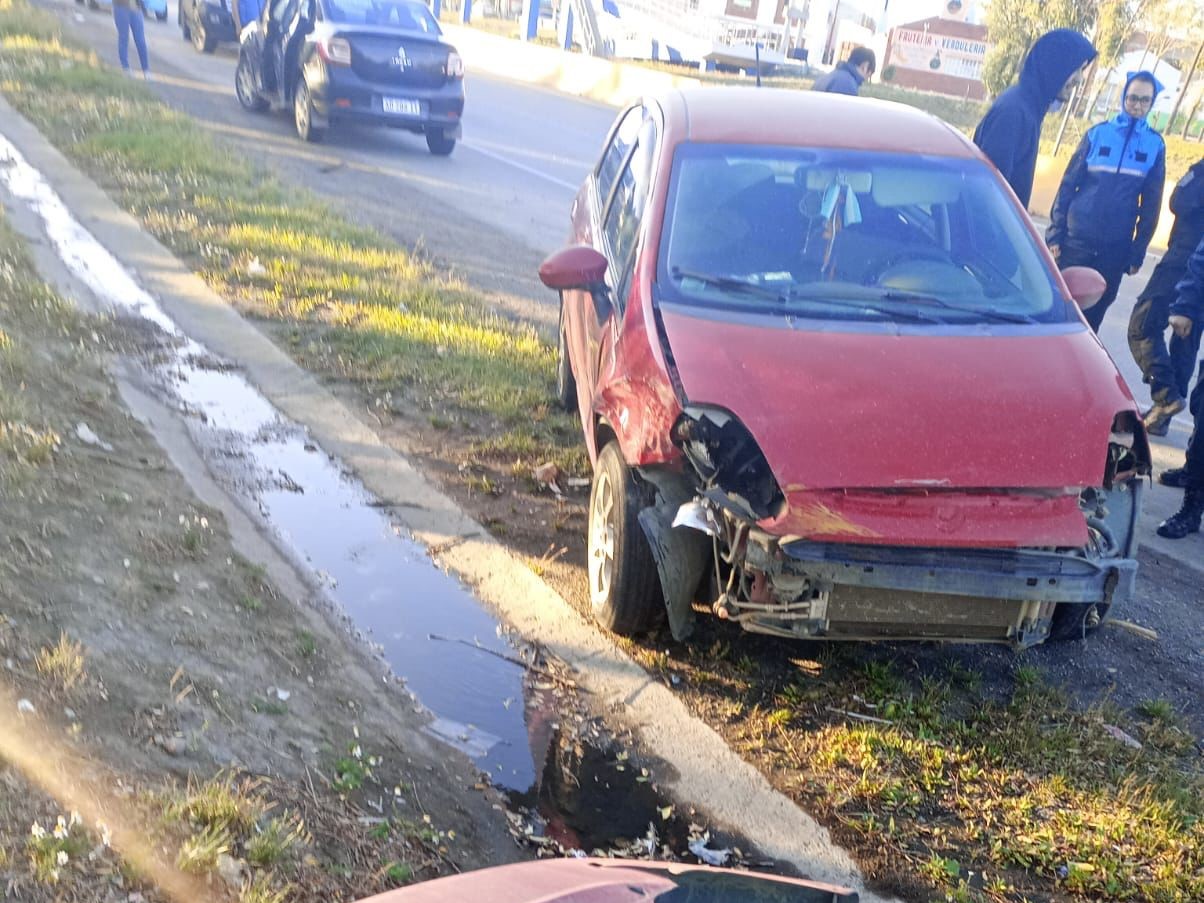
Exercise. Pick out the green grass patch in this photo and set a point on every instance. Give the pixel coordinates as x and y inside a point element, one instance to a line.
<point>363,309</point>
<point>1023,797</point>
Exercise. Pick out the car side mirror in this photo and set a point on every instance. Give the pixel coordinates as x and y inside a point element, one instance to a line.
<point>1085,284</point>
<point>574,267</point>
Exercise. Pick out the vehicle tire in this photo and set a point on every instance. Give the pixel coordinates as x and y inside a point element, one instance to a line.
<point>439,144</point>
<point>1075,620</point>
<point>566,384</point>
<point>244,87</point>
<point>303,114</point>
<point>625,590</point>
<point>161,15</point>
<point>182,21</point>
<point>201,39</point>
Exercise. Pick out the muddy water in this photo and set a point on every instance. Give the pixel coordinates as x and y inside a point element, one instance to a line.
<point>452,654</point>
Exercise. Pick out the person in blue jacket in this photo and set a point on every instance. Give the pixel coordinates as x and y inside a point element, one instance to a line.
<point>1168,371</point>
<point>1107,206</point>
<point>1187,316</point>
<point>1010,133</point>
<point>848,77</point>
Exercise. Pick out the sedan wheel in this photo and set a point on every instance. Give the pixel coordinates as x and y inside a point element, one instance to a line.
<point>624,587</point>
<point>303,115</point>
<point>244,87</point>
<point>201,39</point>
<point>439,144</point>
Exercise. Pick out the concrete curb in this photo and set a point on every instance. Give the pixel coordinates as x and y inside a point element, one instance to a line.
<point>708,774</point>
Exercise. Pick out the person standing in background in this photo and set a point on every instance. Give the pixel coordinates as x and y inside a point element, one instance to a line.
<point>128,18</point>
<point>1107,206</point>
<point>848,77</point>
<point>1010,133</point>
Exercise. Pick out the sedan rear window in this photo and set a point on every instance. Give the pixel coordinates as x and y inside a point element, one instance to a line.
<point>407,15</point>
<point>837,234</point>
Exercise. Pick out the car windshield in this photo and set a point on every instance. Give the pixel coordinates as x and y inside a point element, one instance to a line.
<point>840,234</point>
<point>405,14</point>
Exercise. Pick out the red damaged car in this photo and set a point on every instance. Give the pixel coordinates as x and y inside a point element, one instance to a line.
<point>832,383</point>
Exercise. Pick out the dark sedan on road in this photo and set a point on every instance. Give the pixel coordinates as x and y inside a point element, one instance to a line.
<point>380,63</point>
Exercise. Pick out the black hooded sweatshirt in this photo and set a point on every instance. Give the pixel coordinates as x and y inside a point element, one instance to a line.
<point>1010,133</point>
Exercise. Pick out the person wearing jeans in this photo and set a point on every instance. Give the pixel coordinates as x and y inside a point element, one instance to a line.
<point>128,18</point>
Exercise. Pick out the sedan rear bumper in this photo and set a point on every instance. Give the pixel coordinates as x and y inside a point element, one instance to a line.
<point>339,95</point>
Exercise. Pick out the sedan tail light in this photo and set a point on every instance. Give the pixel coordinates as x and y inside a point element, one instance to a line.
<point>455,65</point>
<point>335,51</point>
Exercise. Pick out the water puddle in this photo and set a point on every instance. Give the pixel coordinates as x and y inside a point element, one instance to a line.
<point>488,696</point>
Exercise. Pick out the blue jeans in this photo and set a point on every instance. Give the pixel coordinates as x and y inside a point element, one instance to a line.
<point>127,19</point>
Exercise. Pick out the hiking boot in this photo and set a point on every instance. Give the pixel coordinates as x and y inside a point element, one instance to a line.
<point>1158,418</point>
<point>1176,478</point>
<point>1187,520</point>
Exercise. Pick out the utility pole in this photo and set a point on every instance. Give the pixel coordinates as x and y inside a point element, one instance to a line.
<point>1183,86</point>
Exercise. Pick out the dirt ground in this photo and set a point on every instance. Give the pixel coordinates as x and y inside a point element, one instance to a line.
<point>146,662</point>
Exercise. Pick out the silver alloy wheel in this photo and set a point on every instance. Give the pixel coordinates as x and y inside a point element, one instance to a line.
<point>243,83</point>
<point>301,110</point>
<point>602,529</point>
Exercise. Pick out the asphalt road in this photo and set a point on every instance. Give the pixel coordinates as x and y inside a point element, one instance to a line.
<point>497,206</point>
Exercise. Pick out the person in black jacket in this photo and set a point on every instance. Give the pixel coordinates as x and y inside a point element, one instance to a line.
<point>1186,317</point>
<point>1168,372</point>
<point>849,75</point>
<point>1010,133</point>
<point>1108,203</point>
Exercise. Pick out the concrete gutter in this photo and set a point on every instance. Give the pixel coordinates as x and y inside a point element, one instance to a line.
<point>706,772</point>
<point>614,83</point>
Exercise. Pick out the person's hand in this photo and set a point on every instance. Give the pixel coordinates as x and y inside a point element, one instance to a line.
<point>1056,251</point>
<point>1181,325</point>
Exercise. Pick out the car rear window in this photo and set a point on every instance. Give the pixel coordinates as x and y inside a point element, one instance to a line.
<point>407,15</point>
<point>837,234</point>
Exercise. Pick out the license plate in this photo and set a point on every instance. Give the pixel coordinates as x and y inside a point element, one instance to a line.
<point>403,106</point>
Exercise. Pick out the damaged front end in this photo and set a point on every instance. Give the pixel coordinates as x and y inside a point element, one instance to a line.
<point>708,531</point>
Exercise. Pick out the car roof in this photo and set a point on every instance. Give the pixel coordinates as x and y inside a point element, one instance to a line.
<point>746,115</point>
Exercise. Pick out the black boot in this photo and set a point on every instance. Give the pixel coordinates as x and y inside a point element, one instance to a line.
<point>1187,520</point>
<point>1176,478</point>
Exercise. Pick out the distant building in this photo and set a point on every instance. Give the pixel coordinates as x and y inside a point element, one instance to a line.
<point>941,55</point>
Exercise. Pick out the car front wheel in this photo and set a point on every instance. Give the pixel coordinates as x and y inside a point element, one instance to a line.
<point>440,144</point>
<point>1075,620</point>
<point>303,114</point>
<point>244,87</point>
<point>624,587</point>
<point>201,39</point>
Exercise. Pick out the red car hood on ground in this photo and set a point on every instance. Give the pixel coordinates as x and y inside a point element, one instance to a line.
<point>922,412</point>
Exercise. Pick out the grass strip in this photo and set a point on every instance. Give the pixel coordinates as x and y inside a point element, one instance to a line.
<point>355,305</point>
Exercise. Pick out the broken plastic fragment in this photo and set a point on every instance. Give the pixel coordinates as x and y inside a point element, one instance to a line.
<point>698,846</point>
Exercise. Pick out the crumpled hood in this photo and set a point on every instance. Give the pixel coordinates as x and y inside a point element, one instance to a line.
<point>1051,60</point>
<point>843,410</point>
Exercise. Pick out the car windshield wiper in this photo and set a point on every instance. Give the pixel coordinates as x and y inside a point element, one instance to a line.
<point>854,296</point>
<point>730,283</point>
<point>1001,316</point>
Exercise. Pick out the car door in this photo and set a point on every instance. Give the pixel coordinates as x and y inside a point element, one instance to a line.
<point>581,323</point>
<point>294,30</point>
<point>277,16</point>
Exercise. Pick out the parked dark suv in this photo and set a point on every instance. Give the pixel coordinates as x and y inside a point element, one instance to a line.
<point>382,62</point>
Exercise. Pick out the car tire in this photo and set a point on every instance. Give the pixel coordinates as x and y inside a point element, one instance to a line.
<point>303,115</point>
<point>625,590</point>
<point>566,383</point>
<point>201,39</point>
<point>1070,620</point>
<point>440,144</point>
<point>244,87</point>
<point>181,19</point>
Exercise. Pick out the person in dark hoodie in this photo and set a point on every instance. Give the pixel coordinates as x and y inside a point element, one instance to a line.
<point>1011,131</point>
<point>1107,206</point>
<point>1186,317</point>
<point>1168,371</point>
<point>848,77</point>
